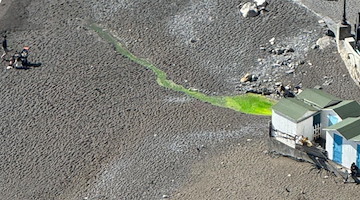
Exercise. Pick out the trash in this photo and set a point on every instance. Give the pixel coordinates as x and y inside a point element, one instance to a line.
<point>272,41</point>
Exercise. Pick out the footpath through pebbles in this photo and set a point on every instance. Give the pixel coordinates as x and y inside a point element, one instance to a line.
<point>90,124</point>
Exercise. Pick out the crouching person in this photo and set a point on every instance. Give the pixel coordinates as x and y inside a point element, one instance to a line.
<point>17,62</point>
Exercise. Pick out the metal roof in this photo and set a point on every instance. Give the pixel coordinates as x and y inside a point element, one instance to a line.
<point>318,98</point>
<point>349,128</point>
<point>347,108</point>
<point>294,109</point>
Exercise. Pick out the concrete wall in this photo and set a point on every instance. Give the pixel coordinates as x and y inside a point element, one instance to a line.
<point>349,149</point>
<point>353,56</point>
<point>283,149</point>
<point>346,44</point>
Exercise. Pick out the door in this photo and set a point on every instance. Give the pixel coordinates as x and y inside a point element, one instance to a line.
<point>316,119</point>
<point>337,157</point>
<point>358,155</point>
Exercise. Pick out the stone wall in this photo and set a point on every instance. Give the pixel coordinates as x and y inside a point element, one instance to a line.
<point>346,48</point>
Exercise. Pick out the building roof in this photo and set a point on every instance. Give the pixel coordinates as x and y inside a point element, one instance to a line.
<point>347,108</point>
<point>294,109</point>
<point>318,98</point>
<point>349,128</point>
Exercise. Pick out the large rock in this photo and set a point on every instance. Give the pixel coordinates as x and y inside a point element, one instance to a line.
<point>325,42</point>
<point>261,3</point>
<point>246,78</point>
<point>249,9</point>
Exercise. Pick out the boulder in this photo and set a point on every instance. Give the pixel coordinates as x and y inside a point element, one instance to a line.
<point>289,50</point>
<point>261,3</point>
<point>249,9</point>
<point>324,42</point>
<point>246,78</point>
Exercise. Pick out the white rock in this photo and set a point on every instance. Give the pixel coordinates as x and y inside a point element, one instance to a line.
<point>261,3</point>
<point>290,71</point>
<point>325,42</point>
<point>272,41</point>
<point>249,9</point>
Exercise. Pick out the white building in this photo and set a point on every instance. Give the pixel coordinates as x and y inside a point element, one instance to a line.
<point>317,115</point>
<point>343,142</point>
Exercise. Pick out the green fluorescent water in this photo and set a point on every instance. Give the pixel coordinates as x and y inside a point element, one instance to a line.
<point>248,103</point>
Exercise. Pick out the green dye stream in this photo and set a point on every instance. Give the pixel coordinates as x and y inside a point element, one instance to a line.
<point>247,103</point>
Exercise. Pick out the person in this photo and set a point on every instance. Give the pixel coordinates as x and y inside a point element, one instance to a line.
<point>14,60</point>
<point>354,173</point>
<point>4,47</point>
<point>354,169</point>
<point>24,55</point>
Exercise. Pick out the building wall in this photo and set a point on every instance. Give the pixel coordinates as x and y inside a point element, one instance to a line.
<point>283,124</point>
<point>306,129</point>
<point>349,153</point>
<point>329,144</point>
<point>324,120</point>
<point>349,149</point>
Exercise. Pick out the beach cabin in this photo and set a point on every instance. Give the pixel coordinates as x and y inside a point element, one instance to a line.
<point>315,114</point>
<point>343,142</point>
<point>292,118</point>
<point>322,101</point>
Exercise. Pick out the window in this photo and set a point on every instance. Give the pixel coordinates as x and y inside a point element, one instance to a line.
<point>332,119</point>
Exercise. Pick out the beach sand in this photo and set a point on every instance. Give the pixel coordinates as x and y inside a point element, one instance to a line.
<point>91,124</point>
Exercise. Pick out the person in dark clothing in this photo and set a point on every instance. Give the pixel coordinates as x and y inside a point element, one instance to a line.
<point>354,169</point>
<point>24,55</point>
<point>354,173</point>
<point>4,47</point>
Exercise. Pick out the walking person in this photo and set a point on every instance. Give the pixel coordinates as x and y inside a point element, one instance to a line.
<point>4,47</point>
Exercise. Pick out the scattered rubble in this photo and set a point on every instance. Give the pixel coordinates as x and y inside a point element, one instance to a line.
<point>280,73</point>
